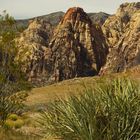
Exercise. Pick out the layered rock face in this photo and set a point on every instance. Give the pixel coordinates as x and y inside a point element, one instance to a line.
<point>122,32</point>
<point>77,47</point>
<point>32,44</point>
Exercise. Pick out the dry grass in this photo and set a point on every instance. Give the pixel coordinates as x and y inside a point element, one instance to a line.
<point>107,112</point>
<point>63,89</point>
<point>40,97</point>
<point>44,95</point>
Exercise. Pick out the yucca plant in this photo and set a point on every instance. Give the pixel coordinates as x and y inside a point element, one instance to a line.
<point>110,111</point>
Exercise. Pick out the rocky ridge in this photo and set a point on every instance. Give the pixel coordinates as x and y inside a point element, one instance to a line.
<point>56,17</point>
<point>122,32</point>
<point>74,48</point>
<point>77,47</point>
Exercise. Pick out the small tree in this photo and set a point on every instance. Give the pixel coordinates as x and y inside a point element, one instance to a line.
<point>12,79</point>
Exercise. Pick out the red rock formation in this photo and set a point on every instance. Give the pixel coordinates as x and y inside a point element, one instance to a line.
<point>77,47</point>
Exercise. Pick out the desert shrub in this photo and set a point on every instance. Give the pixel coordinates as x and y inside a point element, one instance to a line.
<point>19,123</point>
<point>8,124</point>
<point>13,117</point>
<point>13,121</point>
<point>110,111</point>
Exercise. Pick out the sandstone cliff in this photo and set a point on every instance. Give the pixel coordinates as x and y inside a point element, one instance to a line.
<point>122,32</point>
<point>77,47</point>
<point>32,44</point>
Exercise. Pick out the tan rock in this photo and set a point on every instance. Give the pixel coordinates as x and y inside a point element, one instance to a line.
<point>122,32</point>
<point>32,44</point>
<point>76,46</point>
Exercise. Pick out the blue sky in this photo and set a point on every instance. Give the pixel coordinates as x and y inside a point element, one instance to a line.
<point>22,9</point>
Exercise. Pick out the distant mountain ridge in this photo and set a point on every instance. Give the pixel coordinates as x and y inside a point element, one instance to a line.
<point>54,18</point>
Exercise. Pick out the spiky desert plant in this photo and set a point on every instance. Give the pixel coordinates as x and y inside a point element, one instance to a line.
<point>110,111</point>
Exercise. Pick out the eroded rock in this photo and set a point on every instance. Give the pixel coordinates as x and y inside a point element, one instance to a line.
<point>122,32</point>
<point>78,47</point>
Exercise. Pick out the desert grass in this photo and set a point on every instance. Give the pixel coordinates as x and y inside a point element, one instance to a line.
<point>109,111</point>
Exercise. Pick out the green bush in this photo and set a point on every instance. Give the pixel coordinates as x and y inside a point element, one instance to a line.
<point>19,123</point>
<point>12,79</point>
<point>13,117</point>
<point>9,123</point>
<point>13,121</point>
<point>110,111</point>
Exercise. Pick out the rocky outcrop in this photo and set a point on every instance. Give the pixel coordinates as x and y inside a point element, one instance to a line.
<point>77,47</point>
<point>32,44</point>
<point>122,32</point>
